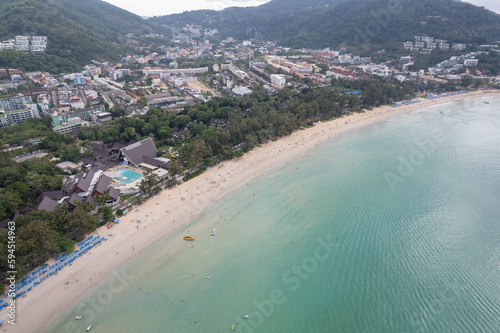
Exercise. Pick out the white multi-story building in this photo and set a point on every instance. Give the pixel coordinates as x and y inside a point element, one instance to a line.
<point>408,45</point>
<point>92,96</point>
<point>101,117</point>
<point>471,62</point>
<point>38,43</point>
<point>427,39</point>
<point>431,45</point>
<point>17,116</point>
<point>25,43</point>
<point>43,102</point>
<point>168,72</point>
<point>7,44</point>
<point>15,103</point>
<point>76,103</point>
<point>442,44</point>
<point>278,79</point>
<point>71,126</point>
<point>52,81</point>
<point>22,43</point>
<point>116,75</point>
<point>459,46</point>
<point>39,40</point>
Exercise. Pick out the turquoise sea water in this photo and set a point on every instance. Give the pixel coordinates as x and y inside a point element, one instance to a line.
<point>392,228</point>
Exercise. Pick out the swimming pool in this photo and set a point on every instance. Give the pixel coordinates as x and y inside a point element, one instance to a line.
<point>127,176</point>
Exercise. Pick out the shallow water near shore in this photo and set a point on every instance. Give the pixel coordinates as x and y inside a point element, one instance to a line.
<point>392,228</point>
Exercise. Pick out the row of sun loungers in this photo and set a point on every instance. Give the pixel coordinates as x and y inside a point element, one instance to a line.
<point>37,276</point>
<point>431,96</point>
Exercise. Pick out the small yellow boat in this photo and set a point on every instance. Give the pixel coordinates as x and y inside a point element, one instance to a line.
<point>188,238</point>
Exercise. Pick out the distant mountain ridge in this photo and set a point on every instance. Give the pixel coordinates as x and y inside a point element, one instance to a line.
<point>354,23</point>
<point>251,22</point>
<point>91,29</point>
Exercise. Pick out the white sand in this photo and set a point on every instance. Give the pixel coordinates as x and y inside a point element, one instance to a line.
<point>167,212</point>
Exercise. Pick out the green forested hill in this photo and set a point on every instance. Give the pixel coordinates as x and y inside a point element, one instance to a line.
<point>269,21</point>
<point>354,23</point>
<point>91,29</point>
<point>382,22</point>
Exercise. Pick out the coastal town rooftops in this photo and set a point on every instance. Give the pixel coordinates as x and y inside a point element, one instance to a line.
<point>75,197</point>
<point>157,96</point>
<point>136,152</point>
<point>54,195</point>
<point>103,184</point>
<point>47,204</point>
<point>152,161</point>
<point>118,146</point>
<point>100,153</point>
<point>67,166</point>
<point>84,183</point>
<point>148,166</point>
<point>162,173</point>
<point>114,193</point>
<point>163,159</point>
<point>87,159</point>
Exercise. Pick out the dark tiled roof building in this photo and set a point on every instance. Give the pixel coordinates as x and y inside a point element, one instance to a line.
<point>137,152</point>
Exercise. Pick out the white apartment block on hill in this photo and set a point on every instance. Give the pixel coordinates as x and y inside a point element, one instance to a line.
<point>471,62</point>
<point>432,44</point>
<point>25,44</point>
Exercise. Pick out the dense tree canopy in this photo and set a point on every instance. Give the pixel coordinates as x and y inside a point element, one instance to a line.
<point>359,24</point>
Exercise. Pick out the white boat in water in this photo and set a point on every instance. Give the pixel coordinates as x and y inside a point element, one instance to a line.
<point>88,328</point>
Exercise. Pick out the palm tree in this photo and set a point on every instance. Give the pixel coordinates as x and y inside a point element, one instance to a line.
<point>101,199</point>
<point>149,181</point>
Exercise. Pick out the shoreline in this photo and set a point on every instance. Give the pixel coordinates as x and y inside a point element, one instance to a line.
<point>174,209</point>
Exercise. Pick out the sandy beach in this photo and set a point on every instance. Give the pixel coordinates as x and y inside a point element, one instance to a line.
<point>173,209</point>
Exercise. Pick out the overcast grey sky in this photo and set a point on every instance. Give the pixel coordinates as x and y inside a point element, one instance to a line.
<point>165,7</point>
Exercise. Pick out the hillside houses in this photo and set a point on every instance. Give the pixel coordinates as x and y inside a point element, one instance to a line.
<point>25,44</point>
<point>427,44</point>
